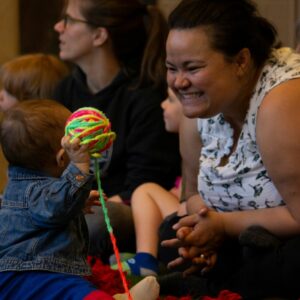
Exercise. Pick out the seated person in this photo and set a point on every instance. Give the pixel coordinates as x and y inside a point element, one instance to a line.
<point>246,101</point>
<point>119,68</point>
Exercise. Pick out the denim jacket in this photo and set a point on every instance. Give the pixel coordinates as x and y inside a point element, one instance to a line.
<point>42,226</point>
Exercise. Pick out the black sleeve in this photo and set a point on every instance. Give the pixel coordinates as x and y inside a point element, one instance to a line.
<point>63,92</point>
<point>153,153</point>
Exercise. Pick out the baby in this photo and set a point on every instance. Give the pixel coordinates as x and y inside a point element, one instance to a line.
<point>43,233</point>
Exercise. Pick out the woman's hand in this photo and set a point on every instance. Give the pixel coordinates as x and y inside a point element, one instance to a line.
<point>203,262</point>
<point>198,235</point>
<point>207,231</point>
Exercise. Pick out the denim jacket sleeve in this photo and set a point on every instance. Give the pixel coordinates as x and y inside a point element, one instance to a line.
<point>54,202</point>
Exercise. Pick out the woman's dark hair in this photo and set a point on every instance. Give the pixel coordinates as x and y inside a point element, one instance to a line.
<point>138,33</point>
<point>232,25</point>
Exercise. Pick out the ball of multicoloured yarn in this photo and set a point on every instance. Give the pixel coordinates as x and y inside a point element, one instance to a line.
<point>92,127</point>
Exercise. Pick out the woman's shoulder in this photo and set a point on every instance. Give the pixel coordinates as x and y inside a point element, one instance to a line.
<point>283,64</point>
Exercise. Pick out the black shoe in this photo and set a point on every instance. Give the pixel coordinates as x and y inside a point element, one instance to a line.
<point>176,284</point>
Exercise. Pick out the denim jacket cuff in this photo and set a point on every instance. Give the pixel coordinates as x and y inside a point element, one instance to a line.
<point>76,177</point>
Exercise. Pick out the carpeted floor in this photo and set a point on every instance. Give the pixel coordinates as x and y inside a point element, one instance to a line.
<point>109,281</point>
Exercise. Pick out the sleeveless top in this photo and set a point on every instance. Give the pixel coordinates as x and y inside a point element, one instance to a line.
<point>243,183</point>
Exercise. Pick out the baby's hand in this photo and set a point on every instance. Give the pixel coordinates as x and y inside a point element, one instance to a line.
<point>93,200</point>
<point>77,153</point>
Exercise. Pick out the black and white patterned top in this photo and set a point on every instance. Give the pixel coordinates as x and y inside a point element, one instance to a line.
<point>243,183</point>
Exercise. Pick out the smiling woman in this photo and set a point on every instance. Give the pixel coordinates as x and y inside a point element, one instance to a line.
<point>238,92</point>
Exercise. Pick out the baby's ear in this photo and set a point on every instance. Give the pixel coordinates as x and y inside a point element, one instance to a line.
<point>61,158</point>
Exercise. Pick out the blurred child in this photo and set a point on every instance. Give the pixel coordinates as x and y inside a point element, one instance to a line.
<point>30,76</point>
<point>151,203</point>
<point>43,233</point>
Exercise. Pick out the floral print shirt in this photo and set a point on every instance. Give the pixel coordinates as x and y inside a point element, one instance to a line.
<point>243,183</point>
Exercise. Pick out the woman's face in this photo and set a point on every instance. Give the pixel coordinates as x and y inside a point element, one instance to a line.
<point>172,112</point>
<point>203,80</point>
<point>7,100</point>
<point>75,36</point>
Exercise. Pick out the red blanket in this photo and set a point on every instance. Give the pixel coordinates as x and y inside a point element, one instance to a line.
<point>109,281</point>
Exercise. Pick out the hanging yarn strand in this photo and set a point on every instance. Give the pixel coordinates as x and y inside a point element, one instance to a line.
<point>93,128</point>
<point>110,230</point>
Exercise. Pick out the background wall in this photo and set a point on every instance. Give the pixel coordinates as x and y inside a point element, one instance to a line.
<point>9,29</point>
<point>283,14</point>
<point>9,41</point>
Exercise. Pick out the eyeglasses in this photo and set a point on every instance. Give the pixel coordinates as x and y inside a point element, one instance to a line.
<point>70,20</point>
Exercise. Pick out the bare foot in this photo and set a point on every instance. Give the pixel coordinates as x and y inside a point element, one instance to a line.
<point>146,289</point>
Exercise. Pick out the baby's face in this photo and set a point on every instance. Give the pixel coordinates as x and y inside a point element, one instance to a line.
<point>6,100</point>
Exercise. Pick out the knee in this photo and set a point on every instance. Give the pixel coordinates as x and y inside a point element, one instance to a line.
<point>145,188</point>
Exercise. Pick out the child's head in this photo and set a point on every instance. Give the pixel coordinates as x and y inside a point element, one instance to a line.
<point>31,133</point>
<point>172,112</point>
<point>31,76</point>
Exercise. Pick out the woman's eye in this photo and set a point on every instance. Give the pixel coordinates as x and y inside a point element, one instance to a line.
<point>170,69</point>
<point>195,68</point>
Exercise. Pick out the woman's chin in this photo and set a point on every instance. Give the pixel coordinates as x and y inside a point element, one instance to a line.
<point>191,112</point>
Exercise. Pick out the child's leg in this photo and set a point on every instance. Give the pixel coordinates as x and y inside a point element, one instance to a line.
<point>150,205</point>
<point>146,289</point>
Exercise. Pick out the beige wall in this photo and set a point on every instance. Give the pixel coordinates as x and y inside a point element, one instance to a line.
<point>9,41</point>
<point>9,33</point>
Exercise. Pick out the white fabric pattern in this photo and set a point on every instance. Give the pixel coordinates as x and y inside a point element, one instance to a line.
<point>243,183</point>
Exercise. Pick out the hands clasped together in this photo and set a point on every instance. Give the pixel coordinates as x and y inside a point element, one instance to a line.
<point>198,238</point>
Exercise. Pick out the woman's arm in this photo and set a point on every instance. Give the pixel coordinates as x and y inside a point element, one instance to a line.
<point>277,131</point>
<point>190,148</point>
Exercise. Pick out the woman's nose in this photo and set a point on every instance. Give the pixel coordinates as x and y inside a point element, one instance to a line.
<point>181,81</point>
<point>59,26</point>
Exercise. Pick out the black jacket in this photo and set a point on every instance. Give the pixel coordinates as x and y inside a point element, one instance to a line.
<point>143,151</point>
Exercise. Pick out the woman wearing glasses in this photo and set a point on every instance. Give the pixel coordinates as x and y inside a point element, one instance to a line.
<point>118,47</point>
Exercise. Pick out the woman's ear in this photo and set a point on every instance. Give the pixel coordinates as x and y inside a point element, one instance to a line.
<point>243,60</point>
<point>61,158</point>
<point>100,36</point>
